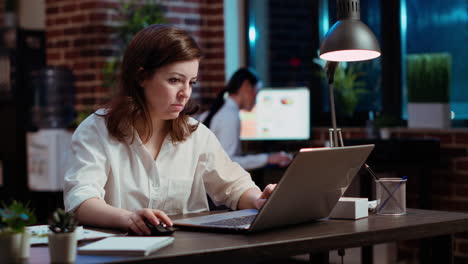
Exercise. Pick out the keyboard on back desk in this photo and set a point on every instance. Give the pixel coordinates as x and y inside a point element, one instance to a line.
<point>238,221</point>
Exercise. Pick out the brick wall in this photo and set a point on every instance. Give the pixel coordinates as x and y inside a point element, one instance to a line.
<point>2,10</point>
<point>205,19</point>
<point>212,41</point>
<point>80,37</point>
<point>292,30</point>
<point>449,179</point>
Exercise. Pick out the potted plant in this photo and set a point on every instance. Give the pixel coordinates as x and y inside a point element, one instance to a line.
<point>348,88</point>
<point>383,123</point>
<point>428,82</point>
<point>135,15</point>
<point>63,238</point>
<point>14,238</point>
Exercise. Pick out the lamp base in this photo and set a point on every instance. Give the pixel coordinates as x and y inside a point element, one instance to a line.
<point>336,139</point>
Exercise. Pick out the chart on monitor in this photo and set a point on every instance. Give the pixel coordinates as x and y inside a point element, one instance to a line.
<point>279,114</point>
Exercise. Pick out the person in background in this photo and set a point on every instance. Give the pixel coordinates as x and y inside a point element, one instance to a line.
<point>223,119</point>
<point>142,158</point>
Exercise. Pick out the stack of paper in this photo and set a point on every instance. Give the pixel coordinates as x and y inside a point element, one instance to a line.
<point>39,234</point>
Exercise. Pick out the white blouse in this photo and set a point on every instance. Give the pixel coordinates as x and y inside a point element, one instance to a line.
<point>226,125</point>
<point>126,176</point>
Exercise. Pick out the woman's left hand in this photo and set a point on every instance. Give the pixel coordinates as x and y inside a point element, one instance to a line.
<point>264,196</point>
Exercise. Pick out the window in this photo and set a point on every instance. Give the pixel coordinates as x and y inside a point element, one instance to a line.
<point>435,27</point>
<point>283,46</point>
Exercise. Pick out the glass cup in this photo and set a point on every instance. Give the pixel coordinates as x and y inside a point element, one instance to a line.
<point>391,196</point>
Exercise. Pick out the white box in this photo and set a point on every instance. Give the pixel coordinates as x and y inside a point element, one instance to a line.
<point>47,153</point>
<point>350,208</point>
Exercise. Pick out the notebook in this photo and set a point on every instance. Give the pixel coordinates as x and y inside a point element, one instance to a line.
<point>308,190</point>
<point>125,245</point>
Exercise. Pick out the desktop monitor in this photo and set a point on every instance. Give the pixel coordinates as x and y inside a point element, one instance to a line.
<point>279,114</point>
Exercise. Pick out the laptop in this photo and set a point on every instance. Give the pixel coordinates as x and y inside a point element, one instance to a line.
<point>308,190</point>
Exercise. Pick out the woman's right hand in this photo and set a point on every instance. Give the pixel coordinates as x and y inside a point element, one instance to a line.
<point>136,220</point>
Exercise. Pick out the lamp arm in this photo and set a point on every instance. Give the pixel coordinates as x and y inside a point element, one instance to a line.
<point>330,68</point>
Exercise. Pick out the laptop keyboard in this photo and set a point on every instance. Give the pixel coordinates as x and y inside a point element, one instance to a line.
<point>238,221</point>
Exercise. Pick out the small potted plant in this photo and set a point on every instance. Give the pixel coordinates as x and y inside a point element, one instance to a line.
<point>63,238</point>
<point>428,81</point>
<point>384,122</point>
<point>14,238</point>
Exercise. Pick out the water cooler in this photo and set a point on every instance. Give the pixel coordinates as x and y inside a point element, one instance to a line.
<point>52,114</point>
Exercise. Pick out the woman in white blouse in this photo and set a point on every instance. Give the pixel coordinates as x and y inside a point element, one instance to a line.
<point>142,157</point>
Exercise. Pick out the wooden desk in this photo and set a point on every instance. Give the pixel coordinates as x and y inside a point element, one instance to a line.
<point>316,238</point>
<point>398,155</point>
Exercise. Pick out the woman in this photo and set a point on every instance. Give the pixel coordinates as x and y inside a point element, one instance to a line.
<point>143,158</point>
<point>223,120</point>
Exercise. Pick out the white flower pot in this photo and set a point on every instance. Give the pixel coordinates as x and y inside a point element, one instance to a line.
<point>384,133</point>
<point>10,247</point>
<point>62,247</point>
<point>25,244</point>
<point>428,115</point>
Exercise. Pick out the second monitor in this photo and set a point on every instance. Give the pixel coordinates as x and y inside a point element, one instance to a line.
<point>279,114</point>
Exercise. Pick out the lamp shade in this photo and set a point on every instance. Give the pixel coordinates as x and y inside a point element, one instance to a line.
<point>349,39</point>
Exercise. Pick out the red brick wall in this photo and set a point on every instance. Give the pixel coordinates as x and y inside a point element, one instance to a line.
<point>449,180</point>
<point>204,18</point>
<point>212,40</point>
<point>2,10</point>
<point>79,36</point>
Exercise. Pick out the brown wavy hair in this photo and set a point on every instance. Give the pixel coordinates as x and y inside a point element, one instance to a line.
<point>151,48</point>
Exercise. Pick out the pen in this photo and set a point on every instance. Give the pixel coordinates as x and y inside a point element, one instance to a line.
<point>371,172</point>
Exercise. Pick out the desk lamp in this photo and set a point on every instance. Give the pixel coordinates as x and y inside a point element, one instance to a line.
<point>349,39</point>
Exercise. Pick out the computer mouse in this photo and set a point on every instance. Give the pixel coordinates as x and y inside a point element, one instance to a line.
<point>156,230</point>
<point>160,230</point>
